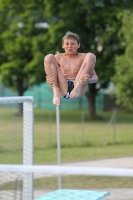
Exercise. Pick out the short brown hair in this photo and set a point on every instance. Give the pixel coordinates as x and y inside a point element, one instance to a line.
<point>71,35</point>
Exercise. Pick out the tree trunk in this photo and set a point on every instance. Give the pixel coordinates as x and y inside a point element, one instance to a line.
<point>92,101</point>
<point>20,86</point>
<point>20,93</point>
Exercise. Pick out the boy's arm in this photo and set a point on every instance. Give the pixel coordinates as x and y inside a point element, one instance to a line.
<point>86,79</point>
<point>49,80</point>
<point>93,78</point>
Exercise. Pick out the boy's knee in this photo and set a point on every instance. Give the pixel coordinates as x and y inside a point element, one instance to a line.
<point>49,58</point>
<point>91,56</point>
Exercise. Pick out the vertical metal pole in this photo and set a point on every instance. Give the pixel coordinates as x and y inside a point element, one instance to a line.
<point>109,124</point>
<point>28,135</point>
<point>114,126</point>
<point>50,129</point>
<point>58,142</point>
<point>82,130</point>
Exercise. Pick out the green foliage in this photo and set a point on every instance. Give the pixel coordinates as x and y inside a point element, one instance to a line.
<point>124,64</point>
<point>22,44</point>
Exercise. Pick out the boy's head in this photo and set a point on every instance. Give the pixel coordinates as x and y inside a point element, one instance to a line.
<point>69,35</point>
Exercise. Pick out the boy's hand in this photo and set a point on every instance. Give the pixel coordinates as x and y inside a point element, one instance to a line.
<point>49,80</point>
<point>84,79</point>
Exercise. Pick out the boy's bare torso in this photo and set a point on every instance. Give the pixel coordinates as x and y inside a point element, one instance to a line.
<point>70,65</point>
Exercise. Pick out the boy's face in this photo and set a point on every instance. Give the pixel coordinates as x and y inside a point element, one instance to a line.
<point>70,46</point>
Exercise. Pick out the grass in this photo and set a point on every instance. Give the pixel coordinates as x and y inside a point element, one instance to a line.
<point>75,182</point>
<point>84,182</point>
<point>81,139</point>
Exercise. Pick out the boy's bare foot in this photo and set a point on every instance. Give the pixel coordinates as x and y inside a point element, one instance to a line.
<point>75,93</point>
<point>56,98</point>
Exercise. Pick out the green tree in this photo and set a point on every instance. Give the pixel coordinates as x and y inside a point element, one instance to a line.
<point>22,40</point>
<point>97,24</point>
<point>124,64</point>
<point>24,43</point>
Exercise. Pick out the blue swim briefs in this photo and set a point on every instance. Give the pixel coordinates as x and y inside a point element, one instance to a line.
<point>70,88</point>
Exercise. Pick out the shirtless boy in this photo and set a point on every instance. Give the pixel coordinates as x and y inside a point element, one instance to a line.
<point>69,73</point>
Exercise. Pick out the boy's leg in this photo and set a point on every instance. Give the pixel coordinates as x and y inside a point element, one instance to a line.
<point>60,84</point>
<point>85,71</point>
